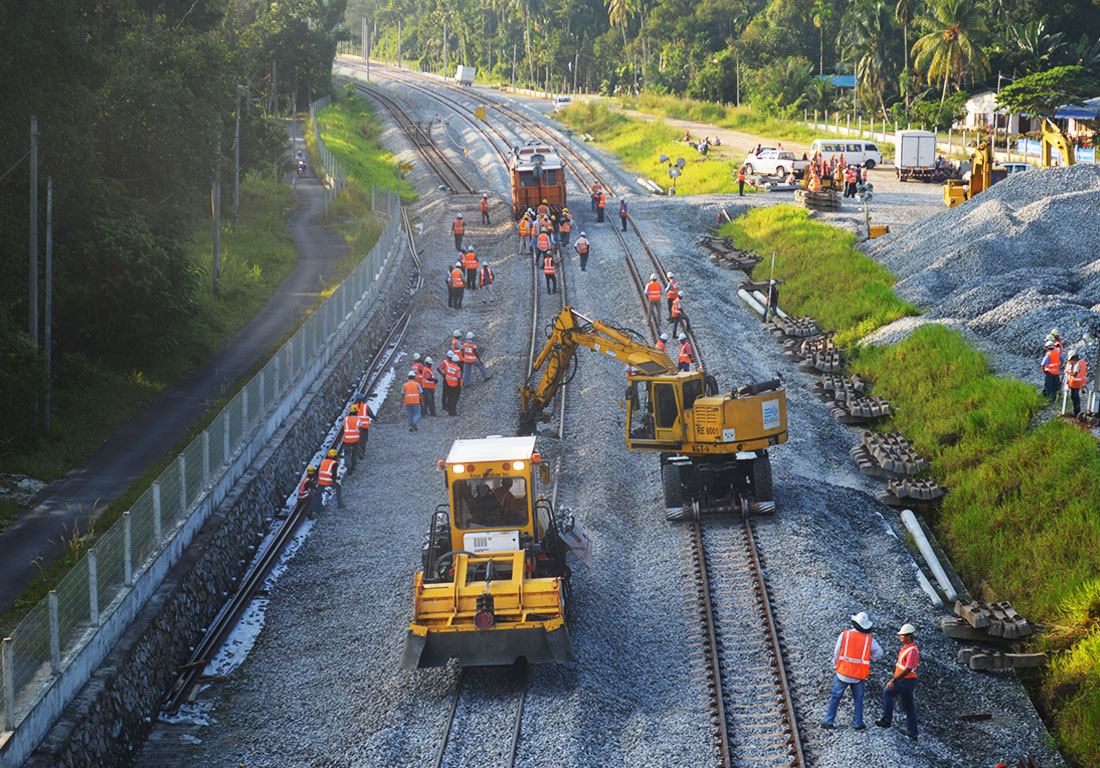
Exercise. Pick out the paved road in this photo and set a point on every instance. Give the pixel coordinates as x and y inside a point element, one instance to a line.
<point>35,539</point>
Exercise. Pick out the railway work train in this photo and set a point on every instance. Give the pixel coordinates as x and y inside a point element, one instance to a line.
<point>537,175</point>
<point>494,585</point>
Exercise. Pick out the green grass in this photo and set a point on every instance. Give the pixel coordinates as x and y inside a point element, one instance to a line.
<point>809,255</point>
<point>9,510</point>
<point>640,143</point>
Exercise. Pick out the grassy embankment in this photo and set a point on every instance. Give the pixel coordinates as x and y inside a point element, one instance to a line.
<point>640,143</point>
<point>1019,521</point>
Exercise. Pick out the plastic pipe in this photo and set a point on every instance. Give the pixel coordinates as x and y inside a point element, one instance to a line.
<point>926,585</point>
<point>745,297</point>
<point>759,296</point>
<point>913,526</point>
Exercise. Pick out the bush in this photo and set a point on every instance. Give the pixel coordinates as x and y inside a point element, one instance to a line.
<point>22,380</point>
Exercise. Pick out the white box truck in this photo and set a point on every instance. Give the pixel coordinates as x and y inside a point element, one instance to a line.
<point>465,75</point>
<point>915,155</point>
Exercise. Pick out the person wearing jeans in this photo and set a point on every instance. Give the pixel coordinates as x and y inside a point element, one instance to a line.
<point>852,656</point>
<point>902,684</point>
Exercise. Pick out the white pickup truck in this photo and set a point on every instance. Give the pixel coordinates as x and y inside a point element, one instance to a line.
<point>770,161</point>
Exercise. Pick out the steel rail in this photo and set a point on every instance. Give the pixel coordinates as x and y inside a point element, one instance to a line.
<point>517,721</point>
<point>713,655</point>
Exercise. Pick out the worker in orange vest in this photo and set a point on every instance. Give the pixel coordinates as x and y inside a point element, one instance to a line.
<point>328,476</point>
<point>595,194</point>
<point>581,246</point>
<point>458,284</point>
<point>815,182</point>
<point>524,234</point>
<point>1076,379</point>
<point>678,314</point>
<point>410,398</point>
<point>470,357</point>
<point>428,383</point>
<point>366,415</point>
<point>458,229</point>
<point>601,202</point>
<point>672,290</point>
<point>485,281</point>
<point>307,488</point>
<point>565,226</point>
<point>543,210</point>
<point>741,181</point>
<point>653,296</point>
<point>456,341</point>
<point>450,288</point>
<point>550,270</point>
<point>469,263</point>
<point>353,426</point>
<point>542,245</point>
<point>903,683</point>
<point>485,209</point>
<point>684,356</point>
<point>661,342</point>
<point>452,382</point>
<point>855,650</point>
<point>1052,368</point>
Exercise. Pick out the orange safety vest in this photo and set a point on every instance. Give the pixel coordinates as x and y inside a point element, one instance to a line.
<point>685,353</point>
<point>351,428</point>
<point>524,224</point>
<point>484,205</point>
<point>412,392</point>
<point>566,224</point>
<point>815,184</point>
<point>596,189</point>
<point>660,345</point>
<point>1076,378</point>
<point>456,278</point>
<point>673,289</point>
<point>676,307</point>
<point>456,344</point>
<point>326,473</point>
<point>544,241</point>
<point>427,378</point>
<point>582,245</point>
<point>855,655</point>
<point>364,416</point>
<point>303,492</point>
<point>469,260</point>
<point>486,275</point>
<point>1054,361</point>
<point>601,202</point>
<point>459,227</point>
<point>915,656</point>
<point>543,210</point>
<point>741,174</point>
<point>469,352</point>
<point>548,265</point>
<point>653,290</point>
<point>453,374</point>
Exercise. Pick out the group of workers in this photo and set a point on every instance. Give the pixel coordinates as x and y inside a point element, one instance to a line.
<point>1072,376</point>
<point>467,272</point>
<point>354,431</point>
<point>673,295</point>
<point>544,234</point>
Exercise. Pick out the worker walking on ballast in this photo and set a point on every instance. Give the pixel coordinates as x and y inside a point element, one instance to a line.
<point>581,247</point>
<point>1052,368</point>
<point>427,384</point>
<point>458,229</point>
<point>684,357</point>
<point>411,391</point>
<point>354,444</point>
<point>903,683</point>
<point>485,209</point>
<point>855,650</point>
<point>653,293</point>
<point>451,372</point>
<point>470,358</point>
<point>550,269</point>
<point>328,476</point>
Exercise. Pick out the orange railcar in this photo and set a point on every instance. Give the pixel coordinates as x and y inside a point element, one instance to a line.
<point>537,174</point>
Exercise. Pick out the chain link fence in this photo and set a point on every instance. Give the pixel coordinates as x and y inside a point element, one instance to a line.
<point>59,628</point>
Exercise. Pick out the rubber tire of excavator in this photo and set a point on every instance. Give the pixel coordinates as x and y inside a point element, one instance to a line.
<point>673,488</point>
<point>762,478</point>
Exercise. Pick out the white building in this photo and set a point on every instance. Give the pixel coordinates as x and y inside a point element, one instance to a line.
<point>981,112</point>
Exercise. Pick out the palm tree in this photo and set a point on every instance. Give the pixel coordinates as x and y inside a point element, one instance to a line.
<point>868,39</point>
<point>1038,46</point>
<point>822,12</point>
<point>620,12</point>
<point>819,94</point>
<point>903,14</point>
<point>947,50</point>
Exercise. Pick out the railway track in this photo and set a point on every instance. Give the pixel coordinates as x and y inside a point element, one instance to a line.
<point>491,717</point>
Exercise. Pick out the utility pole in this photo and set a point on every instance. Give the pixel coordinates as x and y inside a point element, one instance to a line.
<point>32,304</point>
<point>513,78</point>
<point>366,46</point>
<point>49,296</point>
<point>237,160</point>
<point>216,205</point>
<point>399,43</point>
<point>444,49</point>
<point>576,63</point>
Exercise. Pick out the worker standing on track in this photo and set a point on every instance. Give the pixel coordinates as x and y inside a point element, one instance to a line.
<point>653,296</point>
<point>672,290</point>
<point>623,213</point>
<point>450,288</point>
<point>458,284</point>
<point>543,210</point>
<point>456,341</point>
<point>601,203</point>
<point>470,358</point>
<point>458,229</point>
<point>411,391</point>
<point>595,195</point>
<point>678,314</point>
<point>550,270</point>
<point>542,246</point>
<point>485,280</point>
<point>485,209</point>
<point>581,246</point>
<point>353,426</point>
<point>328,476</point>
<point>1076,378</point>
<point>452,382</point>
<point>855,650</point>
<point>850,176</point>
<point>427,383</point>
<point>524,234</point>
<point>565,227</point>
<point>903,683</point>
<point>741,181</point>
<point>684,356</point>
<point>1052,367</point>
<point>307,488</point>
<point>366,415</point>
<point>469,263</point>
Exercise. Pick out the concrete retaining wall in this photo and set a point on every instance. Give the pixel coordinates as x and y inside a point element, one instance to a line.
<point>113,711</point>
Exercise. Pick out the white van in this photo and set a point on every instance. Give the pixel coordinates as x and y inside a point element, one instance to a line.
<point>854,151</point>
<point>561,102</point>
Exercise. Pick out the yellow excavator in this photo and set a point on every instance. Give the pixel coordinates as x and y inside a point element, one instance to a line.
<point>713,446</point>
<point>983,175</point>
<point>1055,137</point>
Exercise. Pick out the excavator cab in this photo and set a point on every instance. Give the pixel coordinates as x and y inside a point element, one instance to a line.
<point>493,583</point>
<point>656,407</point>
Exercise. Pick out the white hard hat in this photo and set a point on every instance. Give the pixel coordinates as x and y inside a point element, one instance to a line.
<point>1073,354</point>
<point>680,295</point>
<point>460,215</point>
<point>682,337</point>
<point>453,355</point>
<point>664,337</point>
<point>470,335</point>
<point>652,275</point>
<point>416,355</point>
<point>772,282</point>
<point>428,360</point>
<point>1054,332</point>
<point>484,195</point>
<point>907,629</point>
<point>457,333</point>
<point>412,374</point>
<point>1049,344</point>
<point>862,620</point>
<point>668,275</point>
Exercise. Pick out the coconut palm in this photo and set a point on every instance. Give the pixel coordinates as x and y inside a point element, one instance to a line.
<point>620,12</point>
<point>819,95</point>
<point>823,13</point>
<point>868,38</point>
<point>948,51</point>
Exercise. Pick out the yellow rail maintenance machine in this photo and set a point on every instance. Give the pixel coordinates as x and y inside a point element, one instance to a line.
<point>494,584</point>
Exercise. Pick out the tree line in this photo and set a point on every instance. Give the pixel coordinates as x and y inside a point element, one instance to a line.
<point>133,99</point>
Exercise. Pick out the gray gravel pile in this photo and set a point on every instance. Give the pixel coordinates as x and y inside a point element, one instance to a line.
<point>1008,266</point>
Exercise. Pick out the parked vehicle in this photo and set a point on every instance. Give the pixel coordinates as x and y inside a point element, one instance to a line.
<point>915,155</point>
<point>854,151</point>
<point>769,161</point>
<point>465,75</point>
<point>561,102</point>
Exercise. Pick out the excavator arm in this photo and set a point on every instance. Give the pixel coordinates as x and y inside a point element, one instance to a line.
<point>572,329</point>
<point>1053,136</point>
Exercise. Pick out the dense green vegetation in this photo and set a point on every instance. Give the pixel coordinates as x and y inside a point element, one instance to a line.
<point>1020,518</point>
<point>133,99</point>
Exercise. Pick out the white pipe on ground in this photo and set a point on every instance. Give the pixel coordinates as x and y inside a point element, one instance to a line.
<point>759,296</point>
<point>913,526</point>
<point>926,585</point>
<point>753,303</point>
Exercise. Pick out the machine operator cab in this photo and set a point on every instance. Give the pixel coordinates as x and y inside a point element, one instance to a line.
<point>493,582</point>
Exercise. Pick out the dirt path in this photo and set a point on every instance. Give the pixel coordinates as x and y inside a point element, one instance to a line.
<point>35,539</point>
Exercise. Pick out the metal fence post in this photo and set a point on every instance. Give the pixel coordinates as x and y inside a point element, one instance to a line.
<point>372,198</point>
<point>8,669</point>
<point>181,462</point>
<point>55,634</point>
<point>276,366</point>
<point>205,459</point>
<point>127,548</point>
<point>226,447</point>
<point>93,588</point>
<point>245,423</point>
<point>158,527</point>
